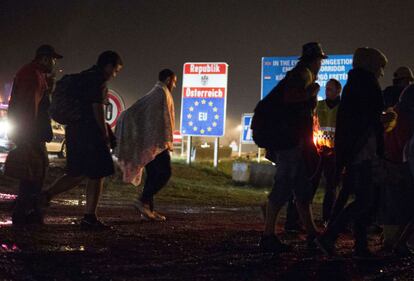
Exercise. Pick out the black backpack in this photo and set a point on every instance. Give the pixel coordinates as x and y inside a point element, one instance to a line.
<point>65,107</point>
<point>269,127</point>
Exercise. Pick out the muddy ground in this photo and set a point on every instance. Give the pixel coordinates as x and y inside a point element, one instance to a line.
<point>195,243</point>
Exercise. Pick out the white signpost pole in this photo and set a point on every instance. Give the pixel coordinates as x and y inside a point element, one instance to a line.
<point>240,144</point>
<point>241,135</point>
<point>216,152</point>
<point>182,147</point>
<point>189,144</point>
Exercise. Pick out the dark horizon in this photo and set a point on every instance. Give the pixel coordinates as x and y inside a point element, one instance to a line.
<point>151,35</point>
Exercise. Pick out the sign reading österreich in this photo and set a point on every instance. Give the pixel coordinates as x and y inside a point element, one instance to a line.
<point>114,108</point>
<point>204,97</point>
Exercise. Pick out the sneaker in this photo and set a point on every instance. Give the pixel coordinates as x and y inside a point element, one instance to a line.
<point>35,217</point>
<point>374,229</point>
<point>403,251</point>
<point>364,254</point>
<point>97,225</point>
<point>44,200</point>
<point>144,210</point>
<point>326,246</point>
<point>272,244</point>
<point>310,243</point>
<point>293,228</point>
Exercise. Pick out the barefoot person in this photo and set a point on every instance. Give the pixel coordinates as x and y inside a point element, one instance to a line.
<point>145,135</point>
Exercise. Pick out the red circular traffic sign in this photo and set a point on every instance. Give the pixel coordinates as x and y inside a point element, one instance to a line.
<point>114,108</point>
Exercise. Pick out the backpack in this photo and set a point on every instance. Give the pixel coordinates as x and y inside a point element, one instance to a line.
<point>65,107</point>
<point>269,126</point>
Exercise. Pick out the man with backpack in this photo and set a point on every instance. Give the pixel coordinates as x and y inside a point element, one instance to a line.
<point>87,135</point>
<point>28,112</point>
<point>283,124</point>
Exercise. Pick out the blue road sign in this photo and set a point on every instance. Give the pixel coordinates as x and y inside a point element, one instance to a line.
<point>246,132</point>
<point>274,69</point>
<point>203,117</point>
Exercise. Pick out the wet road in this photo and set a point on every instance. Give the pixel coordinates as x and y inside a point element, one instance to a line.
<point>197,243</point>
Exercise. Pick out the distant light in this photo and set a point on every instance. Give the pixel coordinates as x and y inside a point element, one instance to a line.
<point>239,128</point>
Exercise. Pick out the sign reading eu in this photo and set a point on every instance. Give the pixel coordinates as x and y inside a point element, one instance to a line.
<point>246,132</point>
<point>204,98</point>
<point>274,69</point>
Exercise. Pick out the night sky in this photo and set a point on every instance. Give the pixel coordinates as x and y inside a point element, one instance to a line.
<point>151,35</point>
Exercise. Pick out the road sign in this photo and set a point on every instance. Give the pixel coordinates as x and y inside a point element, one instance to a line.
<point>204,99</point>
<point>177,137</point>
<point>114,108</point>
<point>275,68</point>
<point>246,132</point>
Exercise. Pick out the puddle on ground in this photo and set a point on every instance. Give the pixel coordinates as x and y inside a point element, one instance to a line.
<point>9,248</point>
<point>68,248</point>
<point>209,210</point>
<point>62,220</point>
<point>7,196</point>
<point>69,202</point>
<point>7,222</point>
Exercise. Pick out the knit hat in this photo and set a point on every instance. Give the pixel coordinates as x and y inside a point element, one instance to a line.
<point>369,59</point>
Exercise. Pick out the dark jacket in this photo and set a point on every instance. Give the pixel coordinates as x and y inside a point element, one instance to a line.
<point>392,95</point>
<point>292,114</point>
<point>358,115</point>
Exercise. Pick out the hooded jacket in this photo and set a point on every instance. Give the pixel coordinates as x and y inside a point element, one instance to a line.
<point>358,116</point>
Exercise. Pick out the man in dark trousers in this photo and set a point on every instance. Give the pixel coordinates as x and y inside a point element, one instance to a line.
<point>28,112</point>
<point>294,152</point>
<point>88,140</point>
<point>326,111</point>
<point>359,140</point>
<point>151,121</point>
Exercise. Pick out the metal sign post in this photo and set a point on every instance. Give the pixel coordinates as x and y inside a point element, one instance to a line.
<point>189,144</point>
<point>216,152</point>
<point>240,144</point>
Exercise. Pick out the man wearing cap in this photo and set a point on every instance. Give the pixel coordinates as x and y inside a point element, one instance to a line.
<point>403,77</point>
<point>294,153</point>
<point>28,112</point>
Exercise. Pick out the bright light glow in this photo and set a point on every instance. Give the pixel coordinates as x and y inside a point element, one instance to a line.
<point>5,127</point>
<point>239,128</point>
<point>205,145</point>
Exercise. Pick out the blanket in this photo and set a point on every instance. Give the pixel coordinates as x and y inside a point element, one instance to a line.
<point>143,131</point>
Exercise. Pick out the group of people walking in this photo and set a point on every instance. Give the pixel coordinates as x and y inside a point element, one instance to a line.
<point>79,100</point>
<point>353,138</point>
